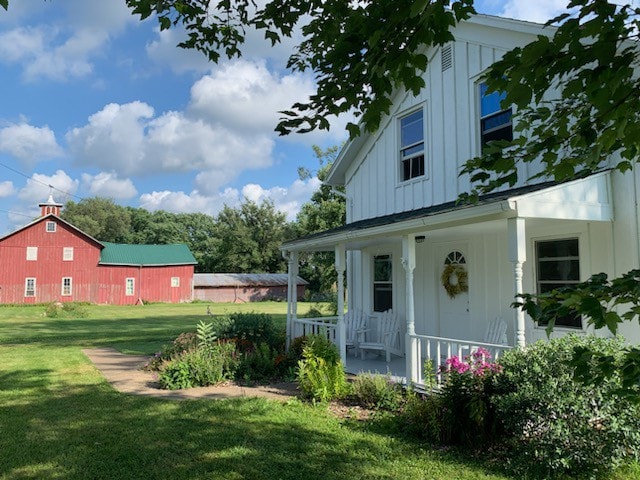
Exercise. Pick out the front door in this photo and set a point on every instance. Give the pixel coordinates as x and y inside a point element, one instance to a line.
<point>452,268</point>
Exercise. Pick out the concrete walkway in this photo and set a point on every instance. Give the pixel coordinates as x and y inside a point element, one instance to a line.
<point>123,372</point>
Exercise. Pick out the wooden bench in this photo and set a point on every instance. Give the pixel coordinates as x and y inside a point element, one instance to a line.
<point>355,321</point>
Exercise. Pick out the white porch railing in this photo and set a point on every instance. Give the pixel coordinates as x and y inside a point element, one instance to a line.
<point>325,326</point>
<point>439,349</point>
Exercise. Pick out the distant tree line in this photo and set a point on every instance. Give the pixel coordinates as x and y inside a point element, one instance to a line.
<point>243,239</point>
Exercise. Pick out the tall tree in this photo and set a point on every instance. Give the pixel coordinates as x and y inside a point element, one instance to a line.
<point>325,210</point>
<point>249,238</point>
<point>99,217</point>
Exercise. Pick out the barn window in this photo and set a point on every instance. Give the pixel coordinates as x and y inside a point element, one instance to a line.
<point>382,283</point>
<point>51,227</point>
<point>175,281</point>
<point>30,287</point>
<point>32,253</point>
<point>66,286</point>
<point>67,254</point>
<point>129,286</point>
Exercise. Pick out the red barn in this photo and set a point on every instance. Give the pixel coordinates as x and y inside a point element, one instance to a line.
<point>50,260</point>
<point>244,287</point>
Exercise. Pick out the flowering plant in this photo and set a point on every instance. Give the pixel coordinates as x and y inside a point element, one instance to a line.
<point>466,393</point>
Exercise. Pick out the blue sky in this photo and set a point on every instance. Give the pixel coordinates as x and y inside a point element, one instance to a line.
<point>97,103</point>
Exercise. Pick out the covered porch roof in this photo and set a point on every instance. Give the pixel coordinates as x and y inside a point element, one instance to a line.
<point>587,199</point>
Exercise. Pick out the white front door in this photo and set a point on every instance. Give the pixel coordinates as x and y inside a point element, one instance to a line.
<point>455,321</point>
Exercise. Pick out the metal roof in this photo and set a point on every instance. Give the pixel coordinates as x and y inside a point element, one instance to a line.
<point>120,254</point>
<point>214,280</point>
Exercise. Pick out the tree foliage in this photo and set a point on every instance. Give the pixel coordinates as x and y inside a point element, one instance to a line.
<point>359,52</point>
<point>575,94</point>
<point>99,217</point>
<point>325,210</point>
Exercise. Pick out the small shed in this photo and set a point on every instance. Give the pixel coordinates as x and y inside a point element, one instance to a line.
<point>244,287</point>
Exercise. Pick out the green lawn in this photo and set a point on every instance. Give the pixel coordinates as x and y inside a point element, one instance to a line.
<point>60,419</point>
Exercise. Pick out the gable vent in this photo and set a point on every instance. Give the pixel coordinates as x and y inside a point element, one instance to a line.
<point>446,56</point>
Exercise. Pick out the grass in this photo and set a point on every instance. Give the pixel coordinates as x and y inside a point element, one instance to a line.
<point>59,418</point>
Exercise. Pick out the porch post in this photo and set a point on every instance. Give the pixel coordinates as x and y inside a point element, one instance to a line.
<point>290,286</point>
<point>340,264</point>
<point>294,283</point>
<point>409,264</point>
<point>517,256</point>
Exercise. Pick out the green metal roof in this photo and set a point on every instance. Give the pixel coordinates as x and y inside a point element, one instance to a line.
<point>120,254</point>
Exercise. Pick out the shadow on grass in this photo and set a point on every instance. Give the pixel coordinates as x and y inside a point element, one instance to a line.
<point>80,431</point>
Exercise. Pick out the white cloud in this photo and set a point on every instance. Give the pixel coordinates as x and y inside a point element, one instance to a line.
<point>109,185</point>
<point>288,200</point>
<point>6,189</point>
<point>37,188</point>
<point>28,143</point>
<point>534,11</point>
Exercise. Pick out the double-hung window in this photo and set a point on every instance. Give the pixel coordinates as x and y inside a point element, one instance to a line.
<point>66,286</point>
<point>30,287</point>
<point>50,227</point>
<point>67,254</point>
<point>412,145</point>
<point>32,254</point>
<point>129,287</point>
<point>382,283</point>
<point>558,266</point>
<point>495,122</point>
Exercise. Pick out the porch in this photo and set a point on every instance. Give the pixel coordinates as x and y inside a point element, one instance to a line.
<point>429,353</point>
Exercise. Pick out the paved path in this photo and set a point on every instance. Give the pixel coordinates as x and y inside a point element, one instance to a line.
<point>123,372</point>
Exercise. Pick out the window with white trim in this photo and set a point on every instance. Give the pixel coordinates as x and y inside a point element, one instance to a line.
<point>495,122</point>
<point>382,283</point>
<point>175,281</point>
<point>130,286</point>
<point>558,266</point>
<point>67,254</point>
<point>66,286</point>
<point>29,287</point>
<point>51,227</point>
<point>32,254</point>
<point>412,145</point>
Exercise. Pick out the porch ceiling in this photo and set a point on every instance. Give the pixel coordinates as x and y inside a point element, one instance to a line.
<point>587,199</point>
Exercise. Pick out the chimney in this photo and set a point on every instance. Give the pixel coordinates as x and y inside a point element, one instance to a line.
<point>50,207</point>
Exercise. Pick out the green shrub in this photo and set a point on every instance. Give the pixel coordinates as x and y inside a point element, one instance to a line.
<point>199,367</point>
<point>67,310</point>
<point>553,425</point>
<point>376,391</point>
<point>422,416</point>
<point>252,329</point>
<point>259,365</point>
<point>184,342</point>
<point>321,374</point>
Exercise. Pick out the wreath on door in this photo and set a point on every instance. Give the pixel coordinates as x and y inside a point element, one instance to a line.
<point>454,278</point>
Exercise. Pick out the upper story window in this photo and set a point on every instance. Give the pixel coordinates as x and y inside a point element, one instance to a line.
<point>558,266</point>
<point>175,281</point>
<point>382,283</point>
<point>495,123</point>
<point>412,145</point>
<point>67,254</point>
<point>32,253</point>
<point>51,226</point>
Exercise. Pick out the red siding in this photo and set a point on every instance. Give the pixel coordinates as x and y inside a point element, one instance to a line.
<point>90,282</point>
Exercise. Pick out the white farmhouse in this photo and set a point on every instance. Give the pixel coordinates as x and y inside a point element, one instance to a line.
<point>404,229</point>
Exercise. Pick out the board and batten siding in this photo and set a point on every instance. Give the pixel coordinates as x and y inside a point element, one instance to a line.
<point>451,130</point>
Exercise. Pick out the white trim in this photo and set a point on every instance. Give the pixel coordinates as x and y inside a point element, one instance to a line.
<point>129,286</point>
<point>67,254</point>
<point>32,254</point>
<point>26,283</point>
<point>62,289</point>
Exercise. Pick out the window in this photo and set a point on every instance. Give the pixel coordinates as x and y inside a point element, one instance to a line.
<point>382,283</point>
<point>30,287</point>
<point>495,123</point>
<point>412,146</point>
<point>175,281</point>
<point>67,254</point>
<point>130,286</point>
<point>66,286</point>
<point>558,266</point>
<point>51,227</point>
<point>32,253</point>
